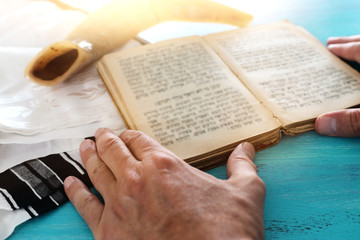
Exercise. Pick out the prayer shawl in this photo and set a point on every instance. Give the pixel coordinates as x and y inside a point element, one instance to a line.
<point>36,186</point>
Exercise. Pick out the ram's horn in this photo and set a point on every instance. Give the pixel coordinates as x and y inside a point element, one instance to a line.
<point>116,23</point>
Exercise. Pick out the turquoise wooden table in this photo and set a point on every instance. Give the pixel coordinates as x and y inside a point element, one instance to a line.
<point>313,182</point>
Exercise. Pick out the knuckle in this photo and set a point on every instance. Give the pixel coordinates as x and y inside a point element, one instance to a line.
<point>131,136</point>
<point>106,144</point>
<point>355,121</point>
<point>246,160</point>
<point>162,160</point>
<point>84,205</point>
<point>132,178</point>
<point>260,183</point>
<point>255,181</point>
<point>97,170</point>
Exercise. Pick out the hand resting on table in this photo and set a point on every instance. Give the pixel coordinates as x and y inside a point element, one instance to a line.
<point>342,123</point>
<point>149,193</point>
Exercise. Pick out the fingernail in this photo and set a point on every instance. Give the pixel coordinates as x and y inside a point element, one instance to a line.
<point>68,181</point>
<point>85,145</point>
<point>326,126</point>
<point>248,148</point>
<point>330,46</point>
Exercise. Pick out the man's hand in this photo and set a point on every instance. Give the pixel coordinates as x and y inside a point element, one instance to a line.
<point>343,123</point>
<point>345,47</point>
<point>149,193</point>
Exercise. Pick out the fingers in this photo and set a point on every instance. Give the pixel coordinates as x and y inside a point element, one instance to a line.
<point>240,162</point>
<point>342,123</point>
<point>349,51</point>
<point>345,47</point>
<point>145,148</point>
<point>114,152</point>
<point>99,173</point>
<point>336,40</point>
<point>87,204</point>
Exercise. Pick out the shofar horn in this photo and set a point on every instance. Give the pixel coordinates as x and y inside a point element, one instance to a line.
<point>116,23</point>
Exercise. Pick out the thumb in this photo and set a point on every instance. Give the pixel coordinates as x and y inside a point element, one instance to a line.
<point>342,123</point>
<point>349,51</point>
<point>241,161</point>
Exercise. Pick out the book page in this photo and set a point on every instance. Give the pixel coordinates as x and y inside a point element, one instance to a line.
<point>183,95</point>
<point>295,76</point>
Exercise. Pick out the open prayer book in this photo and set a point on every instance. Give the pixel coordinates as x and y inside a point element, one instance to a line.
<point>201,96</point>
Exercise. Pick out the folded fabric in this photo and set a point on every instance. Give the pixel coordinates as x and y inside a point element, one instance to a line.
<point>82,100</point>
<point>36,186</point>
<point>30,188</point>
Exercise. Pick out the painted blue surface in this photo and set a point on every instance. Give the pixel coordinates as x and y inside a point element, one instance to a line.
<point>313,187</point>
<point>313,192</point>
<point>313,182</point>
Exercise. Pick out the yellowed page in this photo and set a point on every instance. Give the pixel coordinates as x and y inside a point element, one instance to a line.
<point>183,95</point>
<point>295,76</point>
